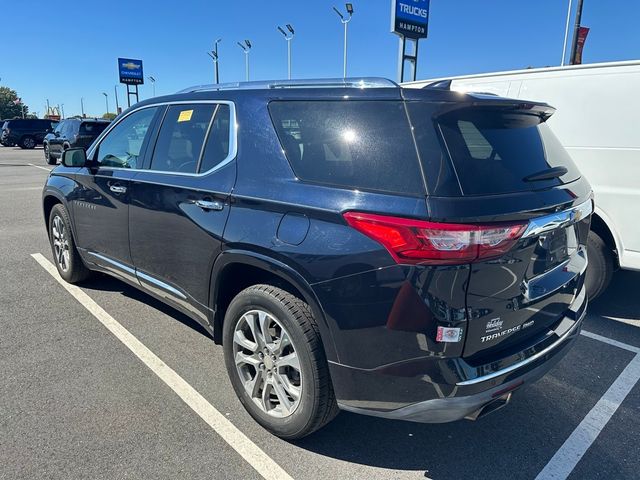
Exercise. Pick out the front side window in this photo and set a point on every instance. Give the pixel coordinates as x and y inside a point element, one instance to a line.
<point>181,137</point>
<point>122,146</point>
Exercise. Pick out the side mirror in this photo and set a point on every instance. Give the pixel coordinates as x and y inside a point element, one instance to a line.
<point>74,157</point>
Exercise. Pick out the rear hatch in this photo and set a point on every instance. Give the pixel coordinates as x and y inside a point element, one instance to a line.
<point>494,163</point>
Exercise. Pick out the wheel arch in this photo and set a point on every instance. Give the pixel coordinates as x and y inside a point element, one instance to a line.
<point>235,270</point>
<point>601,225</point>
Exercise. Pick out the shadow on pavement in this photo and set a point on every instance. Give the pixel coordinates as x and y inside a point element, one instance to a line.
<point>104,282</point>
<point>621,299</point>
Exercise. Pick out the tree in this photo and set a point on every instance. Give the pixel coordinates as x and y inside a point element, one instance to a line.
<point>9,109</point>
<point>109,116</point>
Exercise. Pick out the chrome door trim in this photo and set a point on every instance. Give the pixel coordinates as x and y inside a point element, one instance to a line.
<point>114,263</point>
<point>547,223</point>
<point>164,286</point>
<point>233,137</point>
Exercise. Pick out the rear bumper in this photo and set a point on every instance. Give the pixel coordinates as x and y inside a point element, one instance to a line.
<point>450,388</point>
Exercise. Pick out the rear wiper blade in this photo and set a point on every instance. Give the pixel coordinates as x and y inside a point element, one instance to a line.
<point>548,174</point>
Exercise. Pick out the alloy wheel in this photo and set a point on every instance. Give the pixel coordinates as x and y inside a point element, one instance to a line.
<point>60,243</point>
<point>267,363</point>
<point>29,143</point>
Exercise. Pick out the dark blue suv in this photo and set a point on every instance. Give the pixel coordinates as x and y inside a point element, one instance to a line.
<point>412,254</point>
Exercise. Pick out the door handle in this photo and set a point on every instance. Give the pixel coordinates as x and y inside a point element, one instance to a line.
<point>209,205</point>
<point>117,188</point>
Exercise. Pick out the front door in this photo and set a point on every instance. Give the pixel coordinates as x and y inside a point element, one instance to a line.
<point>180,204</point>
<point>101,208</point>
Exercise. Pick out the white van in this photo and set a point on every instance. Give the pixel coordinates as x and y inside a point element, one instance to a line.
<point>598,122</point>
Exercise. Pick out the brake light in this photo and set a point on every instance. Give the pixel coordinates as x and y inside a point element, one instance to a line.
<point>420,242</point>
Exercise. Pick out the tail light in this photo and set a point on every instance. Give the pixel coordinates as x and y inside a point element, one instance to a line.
<point>421,242</point>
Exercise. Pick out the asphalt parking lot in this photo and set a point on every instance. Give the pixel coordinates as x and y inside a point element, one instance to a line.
<point>81,399</point>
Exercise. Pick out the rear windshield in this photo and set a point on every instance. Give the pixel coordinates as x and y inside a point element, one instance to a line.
<point>493,151</point>
<point>364,145</point>
<point>92,128</point>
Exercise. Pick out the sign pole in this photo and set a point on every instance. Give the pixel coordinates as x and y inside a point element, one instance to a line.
<point>410,21</point>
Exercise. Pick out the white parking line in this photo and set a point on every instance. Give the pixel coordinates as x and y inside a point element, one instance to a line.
<point>259,460</point>
<point>611,341</point>
<point>41,168</point>
<point>573,449</point>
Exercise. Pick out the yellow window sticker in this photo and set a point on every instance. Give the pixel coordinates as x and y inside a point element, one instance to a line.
<point>185,115</point>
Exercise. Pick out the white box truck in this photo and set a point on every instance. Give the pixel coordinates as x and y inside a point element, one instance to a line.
<point>598,122</point>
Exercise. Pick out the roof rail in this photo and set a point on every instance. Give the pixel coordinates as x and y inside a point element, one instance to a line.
<point>363,82</point>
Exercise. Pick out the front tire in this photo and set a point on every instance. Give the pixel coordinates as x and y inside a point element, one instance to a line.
<point>601,266</point>
<point>65,254</point>
<point>47,155</point>
<point>276,362</point>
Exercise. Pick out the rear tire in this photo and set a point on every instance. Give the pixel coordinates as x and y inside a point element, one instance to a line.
<point>601,266</point>
<point>28,142</point>
<point>65,254</point>
<point>312,402</point>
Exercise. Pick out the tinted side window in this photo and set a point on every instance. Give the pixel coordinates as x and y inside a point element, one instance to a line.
<point>181,137</point>
<point>217,147</point>
<point>92,128</point>
<point>354,144</point>
<point>122,146</point>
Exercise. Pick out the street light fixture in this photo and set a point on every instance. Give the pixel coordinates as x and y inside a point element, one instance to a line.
<point>246,47</point>
<point>153,84</point>
<point>288,37</point>
<point>106,99</point>
<point>345,22</point>
<point>214,55</point>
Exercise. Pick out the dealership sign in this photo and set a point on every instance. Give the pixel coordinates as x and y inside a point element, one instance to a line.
<point>410,18</point>
<point>130,71</point>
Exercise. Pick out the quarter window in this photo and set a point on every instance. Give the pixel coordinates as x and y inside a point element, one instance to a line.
<point>122,146</point>
<point>217,147</point>
<point>181,138</point>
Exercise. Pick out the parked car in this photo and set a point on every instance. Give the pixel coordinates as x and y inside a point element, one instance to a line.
<point>26,132</point>
<point>403,253</point>
<point>70,133</point>
<point>607,152</point>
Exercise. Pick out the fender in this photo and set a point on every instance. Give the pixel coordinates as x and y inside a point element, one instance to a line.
<point>55,187</point>
<point>282,270</point>
<point>614,233</point>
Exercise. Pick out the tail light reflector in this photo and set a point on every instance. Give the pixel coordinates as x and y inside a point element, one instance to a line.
<point>417,241</point>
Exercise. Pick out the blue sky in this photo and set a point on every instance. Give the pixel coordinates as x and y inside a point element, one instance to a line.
<point>70,52</point>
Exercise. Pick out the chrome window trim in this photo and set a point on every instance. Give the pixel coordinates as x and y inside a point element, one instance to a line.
<point>546,223</point>
<point>233,137</point>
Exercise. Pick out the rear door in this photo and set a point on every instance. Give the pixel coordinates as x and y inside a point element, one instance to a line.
<point>510,169</point>
<point>180,203</point>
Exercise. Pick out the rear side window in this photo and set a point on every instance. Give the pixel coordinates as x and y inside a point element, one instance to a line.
<point>493,151</point>
<point>181,138</point>
<point>365,145</point>
<point>92,128</point>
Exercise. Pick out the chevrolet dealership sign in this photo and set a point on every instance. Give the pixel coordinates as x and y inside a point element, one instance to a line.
<point>410,18</point>
<point>130,71</point>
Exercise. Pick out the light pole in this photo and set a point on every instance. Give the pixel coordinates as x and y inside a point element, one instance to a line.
<point>345,22</point>
<point>576,30</point>
<point>153,84</point>
<point>62,109</point>
<point>214,55</point>
<point>246,48</point>
<point>566,33</point>
<point>82,106</point>
<point>288,38</point>
<point>115,90</point>
<point>106,100</point>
